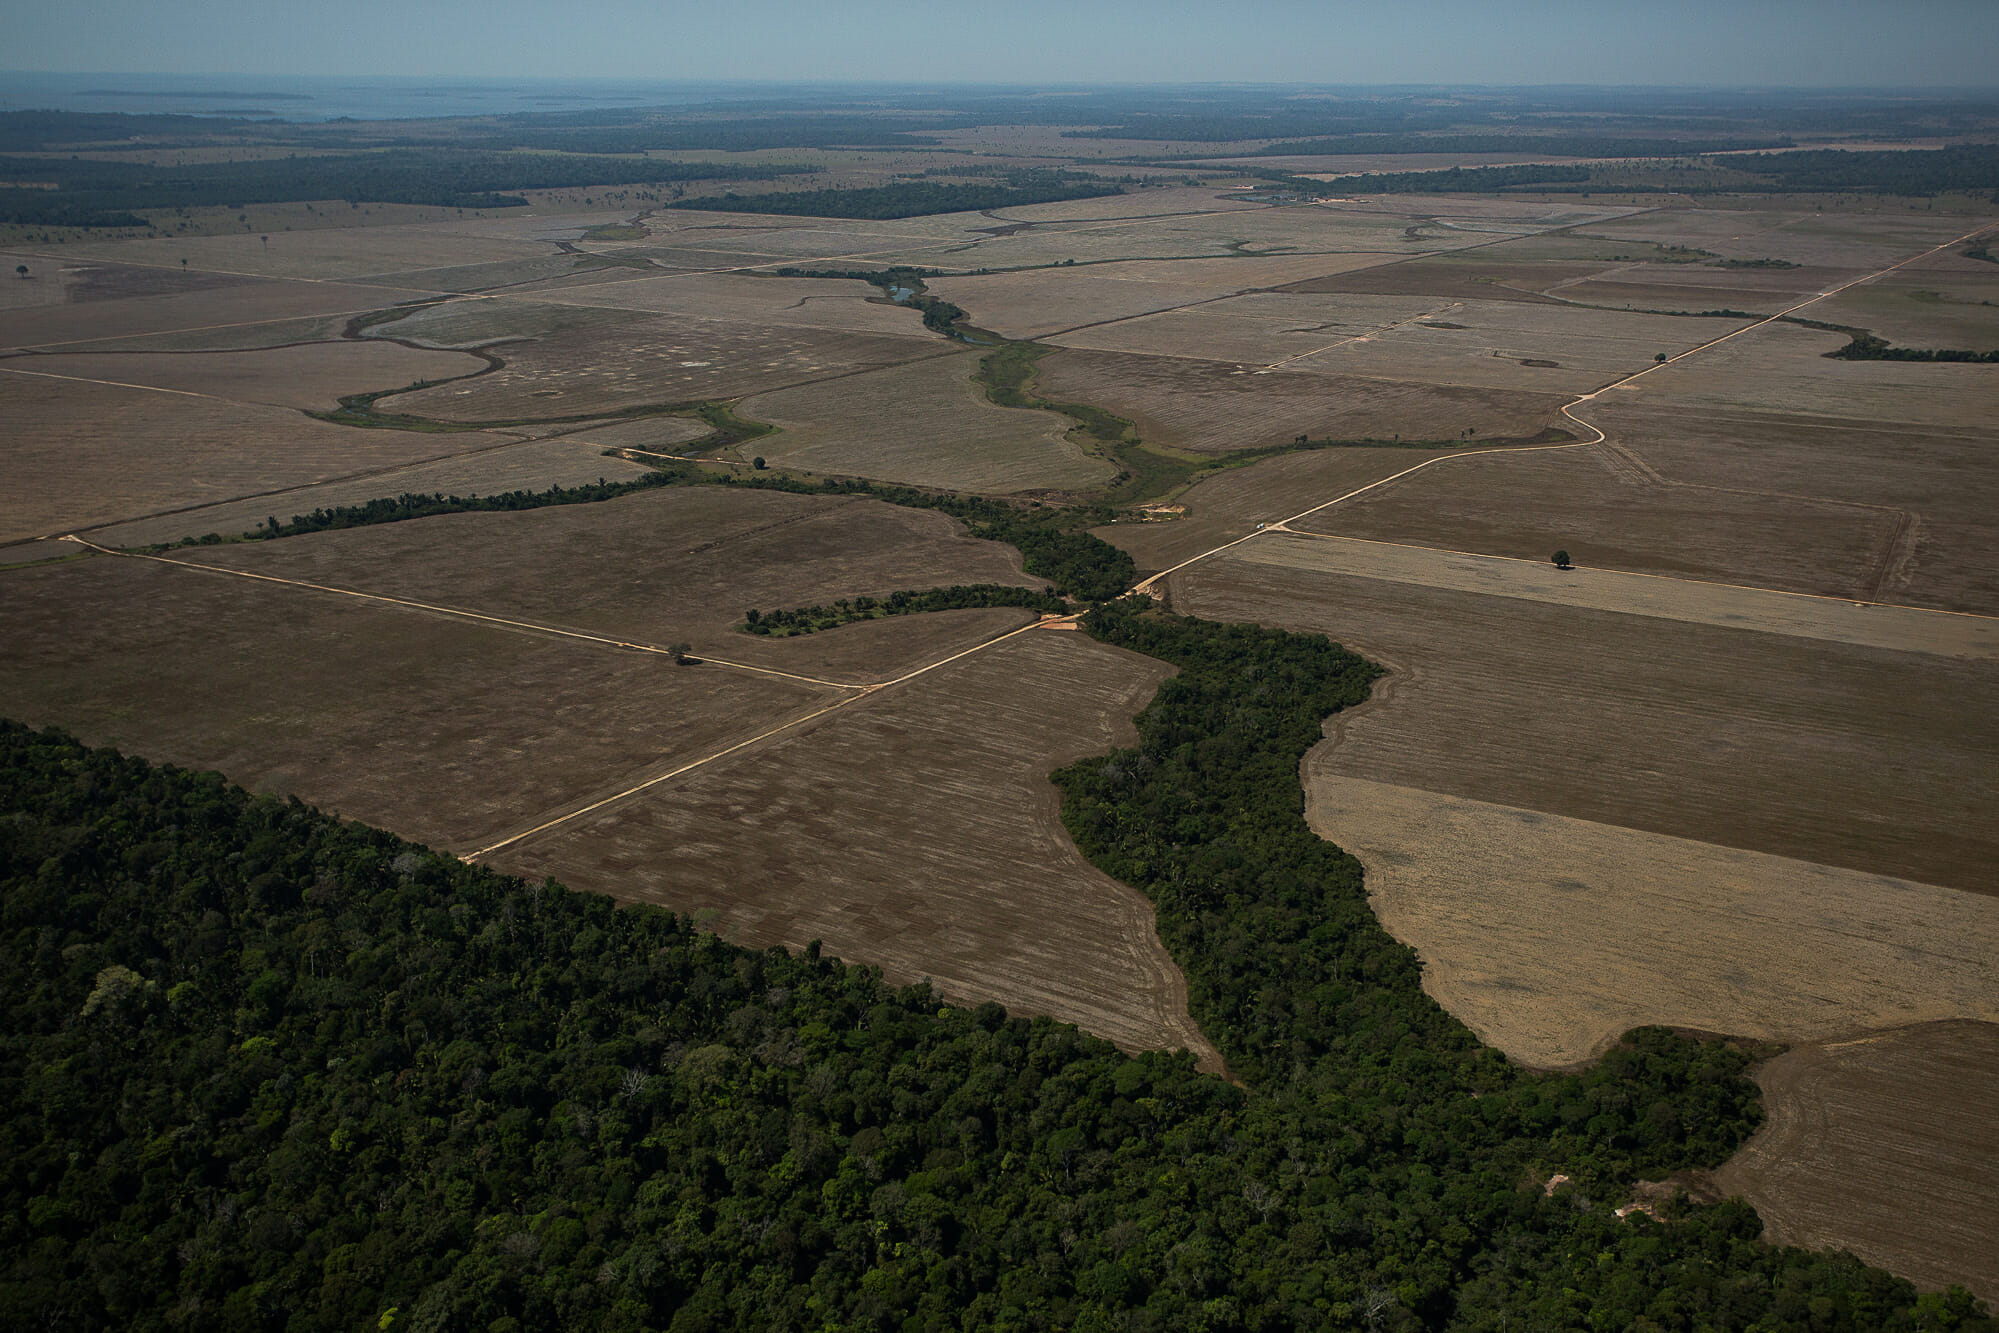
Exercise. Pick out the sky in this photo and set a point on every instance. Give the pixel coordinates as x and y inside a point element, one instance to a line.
<point>1730,43</point>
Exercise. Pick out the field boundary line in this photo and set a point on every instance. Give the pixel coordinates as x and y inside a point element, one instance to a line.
<point>1639,574</point>
<point>864,692</point>
<point>121,384</point>
<point>1568,410</point>
<point>462,614</point>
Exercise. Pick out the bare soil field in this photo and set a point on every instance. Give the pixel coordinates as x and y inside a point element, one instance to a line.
<point>61,280</point>
<point>1783,368</point>
<point>255,335</point>
<point>1835,620</point>
<point>533,465</point>
<point>1486,275</point>
<point>1879,761</point>
<point>659,434</point>
<point>1610,513</point>
<point>232,307</point>
<point>1933,304</point>
<point>1229,504</point>
<point>923,424</point>
<point>439,729</point>
<point>1033,303</point>
<point>1939,476</point>
<point>1883,1146</point>
<point>1259,329</point>
<point>793,302</point>
<point>1213,407</point>
<point>678,564</point>
<point>646,359</point>
<point>1861,239</point>
<point>332,253</point>
<point>1550,937</point>
<point>312,376</point>
<point>916,831</point>
<point>81,455</point>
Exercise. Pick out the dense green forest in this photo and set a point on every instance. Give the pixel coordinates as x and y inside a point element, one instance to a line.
<point>905,200</point>
<point>264,1069</point>
<point>1970,168</point>
<point>450,177</point>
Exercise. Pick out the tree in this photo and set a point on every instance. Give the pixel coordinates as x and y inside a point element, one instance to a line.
<point>758,463</point>
<point>21,269</point>
<point>1561,559</point>
<point>679,651</point>
<point>1658,356</point>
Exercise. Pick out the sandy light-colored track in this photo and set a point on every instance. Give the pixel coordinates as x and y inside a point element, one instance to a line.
<point>1696,601</point>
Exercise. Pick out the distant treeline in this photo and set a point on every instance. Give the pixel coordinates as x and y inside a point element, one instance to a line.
<point>92,189</point>
<point>939,315</point>
<point>1909,171</point>
<point>1972,168</point>
<point>1455,180</point>
<point>1555,145</point>
<point>810,620</point>
<point>1868,347</point>
<point>906,200</point>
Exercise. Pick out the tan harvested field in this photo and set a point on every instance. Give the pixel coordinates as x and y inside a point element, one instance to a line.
<point>1550,937</point>
<point>658,434</point>
<point>62,280</point>
<point>1765,611</point>
<point>1231,504</point>
<point>1949,301</point>
<point>1864,240</point>
<point>207,310</point>
<point>677,564</point>
<point>1255,330</point>
<point>645,359</point>
<point>1883,1146</point>
<point>533,465</point>
<point>924,424</point>
<point>1880,761</point>
<point>1034,303</point>
<point>1213,407</point>
<point>1484,275</point>
<point>1938,476</point>
<point>442,730</point>
<point>792,302</point>
<point>916,831</point>
<point>1783,368</point>
<point>1608,512</point>
<point>312,376</point>
<point>255,335</point>
<point>82,455</point>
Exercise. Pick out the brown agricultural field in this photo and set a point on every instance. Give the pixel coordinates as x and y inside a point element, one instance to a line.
<point>1034,303</point>
<point>1870,759</point>
<point>313,376</point>
<point>440,729</point>
<point>204,310</point>
<point>1611,512</point>
<point>1213,407</point>
<point>1883,1146</point>
<point>917,831</point>
<point>676,564</point>
<point>533,465</point>
<point>843,305</point>
<point>82,455</point>
<point>1937,476</point>
<point>338,253</point>
<point>925,424</point>
<point>1550,937</point>
<point>1230,504</point>
<point>634,361</point>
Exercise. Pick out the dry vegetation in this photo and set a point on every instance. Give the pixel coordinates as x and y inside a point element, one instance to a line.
<point>315,375</point>
<point>1883,1146</point>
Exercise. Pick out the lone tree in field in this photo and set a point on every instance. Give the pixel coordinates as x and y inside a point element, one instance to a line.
<point>21,269</point>
<point>758,463</point>
<point>679,651</point>
<point>1561,559</point>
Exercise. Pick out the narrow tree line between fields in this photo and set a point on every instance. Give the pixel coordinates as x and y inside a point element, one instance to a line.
<point>963,596</point>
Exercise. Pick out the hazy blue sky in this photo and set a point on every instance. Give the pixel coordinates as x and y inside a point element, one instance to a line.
<point>1729,42</point>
